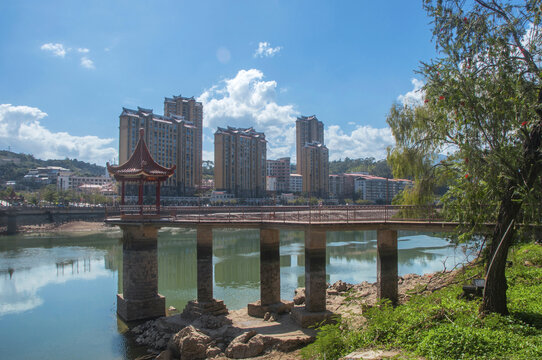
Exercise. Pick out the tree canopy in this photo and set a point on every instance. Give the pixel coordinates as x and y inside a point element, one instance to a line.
<point>483,105</point>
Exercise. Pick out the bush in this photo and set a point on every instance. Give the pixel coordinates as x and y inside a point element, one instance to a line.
<point>443,326</point>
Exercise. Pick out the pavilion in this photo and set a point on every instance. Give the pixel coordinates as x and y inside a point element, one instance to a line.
<point>140,168</point>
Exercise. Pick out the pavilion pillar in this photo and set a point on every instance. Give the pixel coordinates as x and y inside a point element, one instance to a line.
<point>386,264</point>
<point>122,193</point>
<point>140,197</point>
<point>315,280</point>
<point>140,299</point>
<point>158,197</point>
<point>270,301</point>
<point>205,304</point>
<point>12,224</point>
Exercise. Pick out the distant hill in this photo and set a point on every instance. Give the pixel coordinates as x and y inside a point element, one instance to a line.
<point>15,166</point>
<point>369,165</point>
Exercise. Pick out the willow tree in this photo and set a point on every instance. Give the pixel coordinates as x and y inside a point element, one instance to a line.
<point>483,104</point>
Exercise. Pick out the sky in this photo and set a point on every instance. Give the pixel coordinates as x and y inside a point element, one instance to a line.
<point>68,67</point>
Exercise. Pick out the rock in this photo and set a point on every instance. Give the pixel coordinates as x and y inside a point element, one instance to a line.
<point>528,263</point>
<point>189,344</point>
<point>172,309</point>
<point>341,286</point>
<point>299,297</point>
<point>267,316</point>
<point>245,346</point>
<point>212,352</point>
<point>165,355</point>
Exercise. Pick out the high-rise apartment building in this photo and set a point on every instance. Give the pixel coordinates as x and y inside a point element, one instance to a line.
<point>315,169</point>
<point>240,162</point>
<point>191,110</point>
<point>280,169</point>
<point>308,129</point>
<point>172,140</point>
<point>312,156</point>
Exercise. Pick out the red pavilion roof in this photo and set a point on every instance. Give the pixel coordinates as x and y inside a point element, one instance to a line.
<point>140,165</point>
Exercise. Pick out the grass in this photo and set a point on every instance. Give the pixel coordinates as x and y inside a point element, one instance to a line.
<point>442,325</point>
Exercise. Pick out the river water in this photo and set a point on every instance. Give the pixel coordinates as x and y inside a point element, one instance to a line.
<point>57,292</point>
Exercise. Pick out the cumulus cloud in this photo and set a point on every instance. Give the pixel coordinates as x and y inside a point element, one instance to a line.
<point>87,63</point>
<point>83,50</point>
<point>247,100</point>
<point>414,97</point>
<point>56,49</point>
<point>265,50</point>
<point>21,129</point>
<point>364,141</point>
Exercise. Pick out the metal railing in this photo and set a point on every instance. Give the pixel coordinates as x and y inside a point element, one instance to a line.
<point>285,214</point>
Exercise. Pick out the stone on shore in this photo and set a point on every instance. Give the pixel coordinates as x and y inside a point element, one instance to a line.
<point>246,345</point>
<point>189,344</point>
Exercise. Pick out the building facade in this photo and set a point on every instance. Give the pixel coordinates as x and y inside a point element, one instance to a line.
<point>280,170</point>
<point>171,140</point>
<point>308,129</point>
<point>296,183</point>
<point>379,189</point>
<point>192,111</point>
<point>315,169</point>
<point>240,162</point>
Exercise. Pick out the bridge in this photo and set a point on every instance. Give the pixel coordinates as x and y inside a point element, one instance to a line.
<point>140,224</point>
<point>13,216</point>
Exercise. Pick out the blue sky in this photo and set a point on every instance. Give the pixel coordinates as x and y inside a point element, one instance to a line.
<point>68,67</point>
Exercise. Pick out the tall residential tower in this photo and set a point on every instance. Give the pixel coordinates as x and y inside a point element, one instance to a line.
<point>312,156</point>
<point>240,162</point>
<point>173,139</point>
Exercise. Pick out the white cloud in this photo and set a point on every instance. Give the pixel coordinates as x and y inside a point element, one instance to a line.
<point>21,129</point>
<point>83,50</point>
<point>57,49</point>
<point>364,141</point>
<point>247,100</point>
<point>414,97</point>
<point>87,63</point>
<point>351,123</point>
<point>265,50</point>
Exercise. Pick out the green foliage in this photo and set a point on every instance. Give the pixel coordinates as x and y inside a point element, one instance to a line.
<point>442,325</point>
<point>369,165</point>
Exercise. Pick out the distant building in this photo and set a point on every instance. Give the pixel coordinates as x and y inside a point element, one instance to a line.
<point>308,129</point>
<point>44,175</point>
<point>296,183</point>
<point>271,183</point>
<point>67,181</point>
<point>240,162</point>
<point>379,189</point>
<point>280,170</point>
<point>315,169</point>
<point>171,140</point>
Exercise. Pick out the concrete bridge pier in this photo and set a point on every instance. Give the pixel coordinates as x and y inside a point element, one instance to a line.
<point>386,264</point>
<point>12,224</point>
<point>269,277</point>
<point>140,299</point>
<point>205,303</point>
<point>315,281</point>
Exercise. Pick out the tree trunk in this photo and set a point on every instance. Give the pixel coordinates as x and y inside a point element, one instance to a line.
<point>495,288</point>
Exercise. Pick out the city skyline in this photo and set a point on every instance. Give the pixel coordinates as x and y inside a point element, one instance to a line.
<point>69,67</point>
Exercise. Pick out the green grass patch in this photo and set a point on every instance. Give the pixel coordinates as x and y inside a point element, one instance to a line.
<point>444,326</point>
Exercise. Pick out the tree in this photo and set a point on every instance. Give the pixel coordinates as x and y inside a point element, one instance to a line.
<point>483,102</point>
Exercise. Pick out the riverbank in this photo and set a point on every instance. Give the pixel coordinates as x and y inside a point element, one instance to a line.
<point>238,335</point>
<point>445,324</point>
<point>68,227</point>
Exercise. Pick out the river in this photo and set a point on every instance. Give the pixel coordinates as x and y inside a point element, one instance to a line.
<point>57,291</point>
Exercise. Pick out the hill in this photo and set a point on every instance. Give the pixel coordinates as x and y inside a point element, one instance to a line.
<point>369,165</point>
<point>14,166</point>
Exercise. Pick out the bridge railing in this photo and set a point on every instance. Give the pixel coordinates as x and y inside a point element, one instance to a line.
<point>285,214</point>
